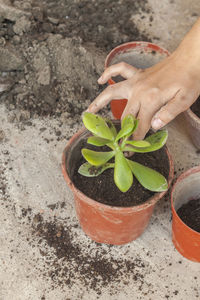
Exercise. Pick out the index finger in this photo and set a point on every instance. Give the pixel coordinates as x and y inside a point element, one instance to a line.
<point>112,92</point>
<point>122,68</point>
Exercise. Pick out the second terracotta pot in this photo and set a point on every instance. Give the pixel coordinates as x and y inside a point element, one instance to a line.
<point>185,239</point>
<point>104,223</point>
<point>140,55</point>
<point>193,126</point>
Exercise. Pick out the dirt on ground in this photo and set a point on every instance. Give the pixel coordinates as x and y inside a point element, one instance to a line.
<point>52,52</point>
<point>51,55</point>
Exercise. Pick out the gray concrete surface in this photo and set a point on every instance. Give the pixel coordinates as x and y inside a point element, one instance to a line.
<point>32,183</point>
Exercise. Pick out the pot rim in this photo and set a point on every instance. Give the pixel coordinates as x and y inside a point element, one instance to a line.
<point>179,179</point>
<point>151,201</point>
<point>192,115</point>
<point>130,45</point>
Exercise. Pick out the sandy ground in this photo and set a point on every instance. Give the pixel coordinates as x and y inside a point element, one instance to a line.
<point>36,205</point>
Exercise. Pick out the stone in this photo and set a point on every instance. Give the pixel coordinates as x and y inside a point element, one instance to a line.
<point>10,60</point>
<point>11,13</point>
<point>22,25</point>
<point>38,14</point>
<point>47,27</point>
<point>5,85</point>
<point>16,40</point>
<point>2,135</point>
<point>2,41</point>
<point>25,115</point>
<point>44,76</point>
<point>53,20</point>
<point>42,67</point>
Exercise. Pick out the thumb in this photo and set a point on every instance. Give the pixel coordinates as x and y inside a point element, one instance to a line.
<point>169,111</point>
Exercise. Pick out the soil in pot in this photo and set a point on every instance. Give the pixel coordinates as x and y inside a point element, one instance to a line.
<point>103,188</point>
<point>190,214</point>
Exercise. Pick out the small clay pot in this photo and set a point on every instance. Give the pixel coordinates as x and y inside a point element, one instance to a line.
<point>193,126</point>
<point>143,55</point>
<point>104,223</point>
<point>185,239</point>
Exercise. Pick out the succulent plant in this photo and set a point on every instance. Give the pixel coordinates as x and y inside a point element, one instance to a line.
<point>105,133</point>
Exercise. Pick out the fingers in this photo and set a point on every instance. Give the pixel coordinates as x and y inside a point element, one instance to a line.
<point>115,91</point>
<point>143,107</point>
<point>132,108</point>
<point>144,117</point>
<point>122,68</point>
<point>173,108</point>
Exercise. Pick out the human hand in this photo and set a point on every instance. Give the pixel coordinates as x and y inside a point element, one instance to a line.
<point>156,95</point>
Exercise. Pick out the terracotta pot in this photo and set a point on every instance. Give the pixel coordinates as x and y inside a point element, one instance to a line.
<point>104,223</point>
<point>185,239</point>
<point>193,126</point>
<point>142,58</point>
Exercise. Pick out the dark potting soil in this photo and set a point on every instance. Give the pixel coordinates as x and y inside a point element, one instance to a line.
<point>190,214</point>
<point>196,107</point>
<point>94,265</point>
<point>103,188</point>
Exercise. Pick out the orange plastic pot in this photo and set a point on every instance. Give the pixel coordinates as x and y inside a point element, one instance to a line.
<point>104,223</point>
<point>193,126</point>
<point>185,239</point>
<point>144,55</point>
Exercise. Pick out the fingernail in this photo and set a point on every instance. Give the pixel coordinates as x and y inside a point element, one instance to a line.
<point>100,79</point>
<point>157,124</point>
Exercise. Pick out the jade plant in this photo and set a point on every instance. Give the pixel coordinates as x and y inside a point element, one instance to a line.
<point>105,134</point>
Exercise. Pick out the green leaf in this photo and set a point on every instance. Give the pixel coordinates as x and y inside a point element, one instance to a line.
<point>97,125</point>
<point>97,158</point>
<point>97,141</point>
<point>156,140</point>
<point>139,144</point>
<point>148,178</point>
<point>127,120</point>
<point>122,173</point>
<point>131,149</point>
<point>111,126</point>
<point>89,170</point>
<point>135,125</point>
<point>127,127</point>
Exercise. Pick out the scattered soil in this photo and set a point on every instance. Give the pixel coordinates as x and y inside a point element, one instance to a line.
<point>196,107</point>
<point>51,55</point>
<point>103,188</point>
<point>95,267</point>
<point>190,214</point>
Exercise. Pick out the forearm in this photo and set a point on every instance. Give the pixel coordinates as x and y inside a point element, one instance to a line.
<point>189,49</point>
